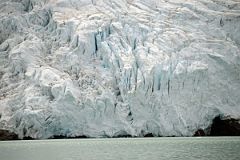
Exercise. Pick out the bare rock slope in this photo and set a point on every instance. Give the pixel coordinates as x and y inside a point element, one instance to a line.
<point>109,68</point>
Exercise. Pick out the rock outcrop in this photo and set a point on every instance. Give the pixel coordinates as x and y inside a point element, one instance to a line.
<point>225,127</point>
<point>6,135</point>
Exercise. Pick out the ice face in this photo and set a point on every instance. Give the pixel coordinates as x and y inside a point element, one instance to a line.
<point>106,68</point>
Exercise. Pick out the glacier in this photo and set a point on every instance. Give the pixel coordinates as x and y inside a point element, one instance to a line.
<point>109,68</point>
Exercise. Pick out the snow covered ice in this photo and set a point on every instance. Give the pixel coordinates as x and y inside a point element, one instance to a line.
<point>108,68</point>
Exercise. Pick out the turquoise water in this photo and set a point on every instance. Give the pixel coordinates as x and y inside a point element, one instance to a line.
<point>207,148</point>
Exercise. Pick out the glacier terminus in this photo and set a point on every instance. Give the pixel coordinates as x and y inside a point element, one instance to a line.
<point>112,68</point>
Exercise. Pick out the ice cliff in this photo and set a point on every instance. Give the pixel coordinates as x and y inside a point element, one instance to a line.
<point>108,68</point>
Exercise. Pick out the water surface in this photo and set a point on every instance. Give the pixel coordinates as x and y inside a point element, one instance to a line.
<point>207,148</point>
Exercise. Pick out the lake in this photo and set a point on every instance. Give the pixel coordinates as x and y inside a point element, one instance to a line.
<point>172,148</point>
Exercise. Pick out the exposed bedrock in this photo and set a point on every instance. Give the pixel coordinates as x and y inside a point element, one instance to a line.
<point>221,126</point>
<point>225,127</point>
<point>6,135</point>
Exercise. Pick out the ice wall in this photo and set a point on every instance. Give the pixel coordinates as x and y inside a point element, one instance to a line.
<point>108,68</point>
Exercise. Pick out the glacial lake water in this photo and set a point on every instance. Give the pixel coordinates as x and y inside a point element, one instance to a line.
<point>204,148</point>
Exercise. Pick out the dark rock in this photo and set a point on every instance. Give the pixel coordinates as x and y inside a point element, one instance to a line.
<point>148,135</point>
<point>66,137</point>
<point>121,134</point>
<point>7,135</point>
<point>225,127</point>
<point>199,132</point>
<point>28,138</point>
